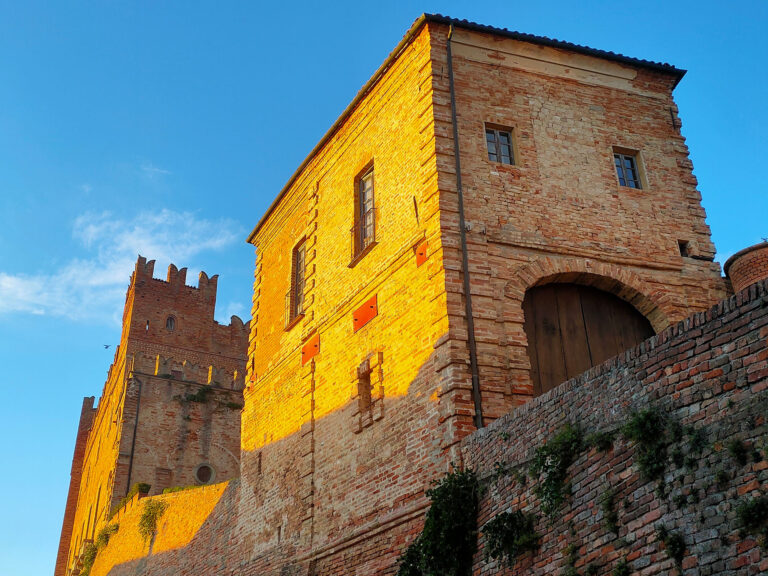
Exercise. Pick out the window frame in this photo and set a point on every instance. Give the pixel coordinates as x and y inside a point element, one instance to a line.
<point>498,130</point>
<point>620,155</point>
<point>295,296</point>
<point>363,232</point>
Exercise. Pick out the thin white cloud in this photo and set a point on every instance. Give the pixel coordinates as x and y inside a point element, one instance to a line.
<point>152,171</point>
<point>93,287</point>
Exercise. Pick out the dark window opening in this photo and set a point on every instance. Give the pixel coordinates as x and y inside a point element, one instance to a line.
<point>626,170</point>
<point>364,387</point>
<point>364,230</point>
<point>683,246</point>
<point>170,323</point>
<point>499,144</point>
<point>294,299</point>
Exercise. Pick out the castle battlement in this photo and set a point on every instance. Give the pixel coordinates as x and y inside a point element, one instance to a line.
<point>175,279</point>
<point>188,371</point>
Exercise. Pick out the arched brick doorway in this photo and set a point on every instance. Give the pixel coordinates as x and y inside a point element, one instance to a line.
<point>572,327</point>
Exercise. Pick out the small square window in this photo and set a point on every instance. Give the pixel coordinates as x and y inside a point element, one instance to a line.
<point>499,144</point>
<point>626,170</point>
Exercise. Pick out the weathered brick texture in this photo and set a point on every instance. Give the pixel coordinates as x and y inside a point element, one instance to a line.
<point>709,373</point>
<point>748,266</point>
<point>559,213</point>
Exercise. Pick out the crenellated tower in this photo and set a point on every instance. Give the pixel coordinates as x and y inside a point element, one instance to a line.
<point>169,413</point>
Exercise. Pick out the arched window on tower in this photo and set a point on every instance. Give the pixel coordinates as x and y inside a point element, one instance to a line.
<point>170,323</point>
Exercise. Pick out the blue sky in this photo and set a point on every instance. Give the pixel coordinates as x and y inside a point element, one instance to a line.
<point>167,128</point>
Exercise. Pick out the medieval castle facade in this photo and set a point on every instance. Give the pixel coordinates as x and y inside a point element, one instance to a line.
<point>494,214</point>
<point>169,414</point>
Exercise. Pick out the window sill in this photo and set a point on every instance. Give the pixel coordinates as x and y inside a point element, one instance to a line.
<point>631,189</point>
<point>295,320</point>
<point>359,256</point>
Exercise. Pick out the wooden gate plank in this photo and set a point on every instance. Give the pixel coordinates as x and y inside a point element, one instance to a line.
<point>549,346</point>
<point>573,332</point>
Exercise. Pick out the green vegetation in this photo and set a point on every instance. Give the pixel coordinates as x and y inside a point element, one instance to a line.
<point>88,558</point>
<point>753,517</point>
<point>102,538</point>
<point>201,396</point>
<point>138,488</point>
<point>673,543</point>
<point>449,539</point>
<point>621,569</point>
<point>738,451</point>
<point>602,441</point>
<point>571,554</point>
<point>153,510</point>
<point>509,535</point>
<point>610,515</point>
<point>722,478</point>
<point>647,429</point>
<point>550,464</point>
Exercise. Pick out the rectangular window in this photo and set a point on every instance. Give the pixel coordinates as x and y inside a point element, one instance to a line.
<point>626,170</point>
<point>364,230</point>
<point>294,299</point>
<point>499,144</point>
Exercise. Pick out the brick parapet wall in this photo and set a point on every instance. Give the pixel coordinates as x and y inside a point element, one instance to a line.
<point>186,513</point>
<point>747,266</point>
<point>708,372</point>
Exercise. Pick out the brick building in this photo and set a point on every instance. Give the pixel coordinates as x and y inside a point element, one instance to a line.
<point>169,414</point>
<point>535,176</point>
<point>493,214</point>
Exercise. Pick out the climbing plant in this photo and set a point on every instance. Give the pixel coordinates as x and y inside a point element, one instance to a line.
<point>449,539</point>
<point>153,510</point>
<point>509,535</point>
<point>550,464</point>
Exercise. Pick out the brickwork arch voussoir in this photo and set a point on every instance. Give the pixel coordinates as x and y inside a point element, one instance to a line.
<point>651,302</point>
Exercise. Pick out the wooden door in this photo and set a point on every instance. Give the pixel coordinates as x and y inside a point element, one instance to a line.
<point>571,328</point>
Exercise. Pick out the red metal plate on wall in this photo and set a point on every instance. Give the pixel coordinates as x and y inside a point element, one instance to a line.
<point>421,253</point>
<point>310,348</point>
<point>368,311</point>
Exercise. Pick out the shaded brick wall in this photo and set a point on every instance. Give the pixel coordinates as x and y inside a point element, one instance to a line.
<point>559,213</point>
<point>708,373</point>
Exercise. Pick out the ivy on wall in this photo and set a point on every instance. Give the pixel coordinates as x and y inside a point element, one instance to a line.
<point>449,539</point>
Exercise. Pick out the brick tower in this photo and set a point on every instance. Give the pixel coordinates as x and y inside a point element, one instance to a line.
<point>169,413</point>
